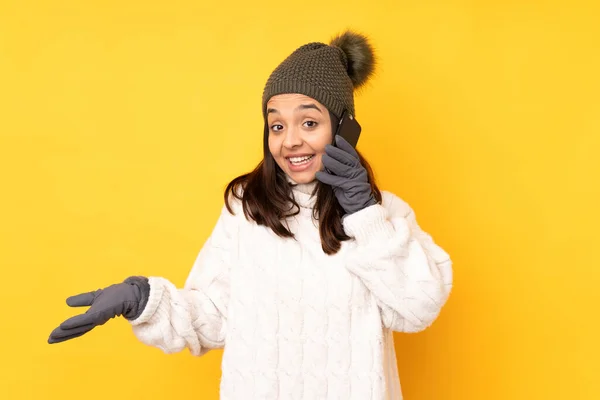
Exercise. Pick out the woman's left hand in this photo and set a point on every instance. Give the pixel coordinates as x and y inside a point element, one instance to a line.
<point>346,175</point>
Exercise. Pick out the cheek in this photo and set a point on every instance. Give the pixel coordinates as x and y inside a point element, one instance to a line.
<point>318,143</point>
<point>273,147</point>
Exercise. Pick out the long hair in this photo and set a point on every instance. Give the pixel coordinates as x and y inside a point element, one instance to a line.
<point>267,199</point>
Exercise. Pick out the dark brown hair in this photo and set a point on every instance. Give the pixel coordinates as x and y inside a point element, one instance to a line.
<point>267,199</point>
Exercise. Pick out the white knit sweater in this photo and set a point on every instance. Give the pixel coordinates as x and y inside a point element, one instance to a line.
<point>294,322</point>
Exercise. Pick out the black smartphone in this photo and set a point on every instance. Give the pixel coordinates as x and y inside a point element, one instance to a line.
<point>349,128</point>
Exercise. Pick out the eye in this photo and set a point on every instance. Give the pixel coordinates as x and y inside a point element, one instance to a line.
<point>312,124</point>
<point>276,127</point>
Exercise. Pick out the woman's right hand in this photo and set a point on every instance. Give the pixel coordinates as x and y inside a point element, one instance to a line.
<point>127,299</point>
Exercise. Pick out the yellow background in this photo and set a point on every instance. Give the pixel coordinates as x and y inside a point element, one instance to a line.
<point>121,122</point>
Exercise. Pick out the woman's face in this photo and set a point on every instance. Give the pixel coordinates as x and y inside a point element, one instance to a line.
<point>299,130</point>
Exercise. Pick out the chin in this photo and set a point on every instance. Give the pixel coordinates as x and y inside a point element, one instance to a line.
<point>301,178</point>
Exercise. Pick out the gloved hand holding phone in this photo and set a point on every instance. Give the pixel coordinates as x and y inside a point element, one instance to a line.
<point>343,169</point>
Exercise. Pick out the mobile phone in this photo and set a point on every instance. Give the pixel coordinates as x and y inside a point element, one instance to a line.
<point>349,128</point>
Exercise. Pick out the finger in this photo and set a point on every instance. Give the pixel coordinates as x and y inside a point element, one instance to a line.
<point>337,168</point>
<point>343,144</point>
<point>57,339</point>
<point>350,187</point>
<point>83,299</point>
<point>341,155</point>
<point>78,321</point>
<point>61,333</point>
<point>329,179</point>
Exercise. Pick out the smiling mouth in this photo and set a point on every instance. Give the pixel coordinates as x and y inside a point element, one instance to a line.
<point>297,161</point>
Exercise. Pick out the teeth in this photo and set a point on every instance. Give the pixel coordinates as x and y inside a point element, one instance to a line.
<point>300,160</point>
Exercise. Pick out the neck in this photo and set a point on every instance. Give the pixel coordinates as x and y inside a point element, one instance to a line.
<point>304,193</point>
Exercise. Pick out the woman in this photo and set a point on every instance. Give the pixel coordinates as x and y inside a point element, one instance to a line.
<point>310,266</point>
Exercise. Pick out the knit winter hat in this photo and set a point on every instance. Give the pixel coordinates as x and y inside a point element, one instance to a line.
<point>327,73</point>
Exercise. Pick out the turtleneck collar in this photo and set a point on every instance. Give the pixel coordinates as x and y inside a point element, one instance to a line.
<point>303,193</point>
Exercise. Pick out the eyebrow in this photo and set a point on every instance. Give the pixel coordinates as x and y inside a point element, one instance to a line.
<point>300,107</point>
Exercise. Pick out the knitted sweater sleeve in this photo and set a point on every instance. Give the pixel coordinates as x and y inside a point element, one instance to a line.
<point>195,316</point>
<point>406,271</point>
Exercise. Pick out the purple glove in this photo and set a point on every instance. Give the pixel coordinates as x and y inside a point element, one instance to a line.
<point>347,176</point>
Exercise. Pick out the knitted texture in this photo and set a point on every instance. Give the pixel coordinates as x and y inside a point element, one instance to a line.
<point>296,323</point>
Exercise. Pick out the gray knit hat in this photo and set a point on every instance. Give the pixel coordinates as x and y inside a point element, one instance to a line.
<point>327,73</point>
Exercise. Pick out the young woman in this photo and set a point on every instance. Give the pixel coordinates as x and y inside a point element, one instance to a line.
<point>310,266</point>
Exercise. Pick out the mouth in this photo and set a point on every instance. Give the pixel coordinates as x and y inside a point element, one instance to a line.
<point>299,160</point>
<point>300,163</point>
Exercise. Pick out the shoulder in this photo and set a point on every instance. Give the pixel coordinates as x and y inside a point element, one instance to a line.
<point>229,219</point>
<point>233,208</point>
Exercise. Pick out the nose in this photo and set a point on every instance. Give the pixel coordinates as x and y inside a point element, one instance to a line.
<point>292,138</point>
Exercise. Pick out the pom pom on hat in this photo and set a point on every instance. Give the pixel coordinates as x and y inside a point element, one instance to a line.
<point>359,54</point>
